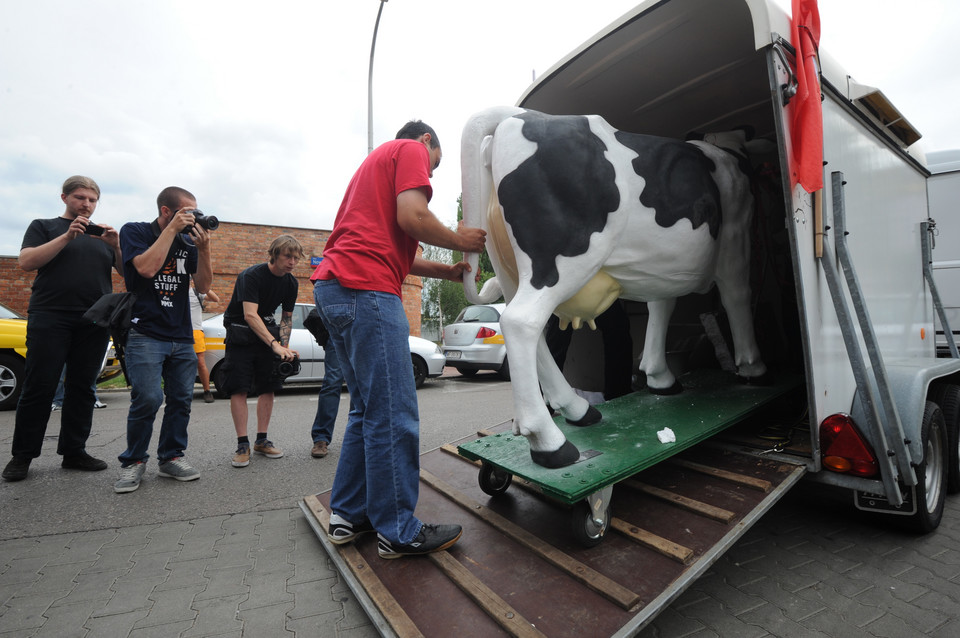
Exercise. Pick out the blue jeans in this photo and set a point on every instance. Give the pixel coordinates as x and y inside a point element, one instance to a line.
<point>378,475</point>
<point>55,339</point>
<point>328,401</point>
<point>148,361</point>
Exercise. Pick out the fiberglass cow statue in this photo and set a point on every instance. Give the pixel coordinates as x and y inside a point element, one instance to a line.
<point>578,214</point>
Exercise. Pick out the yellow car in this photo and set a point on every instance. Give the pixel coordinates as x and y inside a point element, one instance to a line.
<point>13,353</point>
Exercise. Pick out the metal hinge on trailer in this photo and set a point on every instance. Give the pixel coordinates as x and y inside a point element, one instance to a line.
<point>927,230</point>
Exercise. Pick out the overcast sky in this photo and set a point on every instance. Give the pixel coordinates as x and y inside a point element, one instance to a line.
<point>260,108</point>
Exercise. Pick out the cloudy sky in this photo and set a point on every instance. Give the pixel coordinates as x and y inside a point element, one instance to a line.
<point>261,108</point>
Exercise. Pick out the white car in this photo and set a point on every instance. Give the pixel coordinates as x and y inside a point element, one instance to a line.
<point>427,358</point>
<point>474,341</point>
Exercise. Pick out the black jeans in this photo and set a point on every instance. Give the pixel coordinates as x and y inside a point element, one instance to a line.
<point>55,339</point>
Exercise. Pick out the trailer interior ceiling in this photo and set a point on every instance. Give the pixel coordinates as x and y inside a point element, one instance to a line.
<point>713,79</point>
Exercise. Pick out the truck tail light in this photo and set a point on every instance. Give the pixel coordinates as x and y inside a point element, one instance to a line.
<point>844,450</point>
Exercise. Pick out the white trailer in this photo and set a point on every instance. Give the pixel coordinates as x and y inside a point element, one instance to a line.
<point>845,313</point>
<point>865,334</point>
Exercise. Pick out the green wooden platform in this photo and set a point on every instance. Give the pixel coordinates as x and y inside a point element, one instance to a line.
<point>625,441</point>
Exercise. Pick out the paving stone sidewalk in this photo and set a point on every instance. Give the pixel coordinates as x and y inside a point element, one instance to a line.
<point>811,568</point>
<point>254,574</point>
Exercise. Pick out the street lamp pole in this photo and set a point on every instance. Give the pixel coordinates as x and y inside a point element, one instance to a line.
<point>373,46</point>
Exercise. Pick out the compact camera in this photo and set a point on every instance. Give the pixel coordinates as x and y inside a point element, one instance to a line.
<point>284,369</point>
<point>93,229</point>
<point>206,222</point>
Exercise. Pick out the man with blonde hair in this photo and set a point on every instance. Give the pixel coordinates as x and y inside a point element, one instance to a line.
<point>255,343</point>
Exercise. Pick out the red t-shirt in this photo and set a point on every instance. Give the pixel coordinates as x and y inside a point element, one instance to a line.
<point>367,249</point>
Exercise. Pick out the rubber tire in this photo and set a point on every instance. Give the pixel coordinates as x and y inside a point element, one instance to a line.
<point>11,376</point>
<point>584,528</point>
<point>493,481</point>
<point>216,375</point>
<point>947,396</point>
<point>419,370</point>
<point>931,472</point>
<point>469,372</point>
<point>504,370</point>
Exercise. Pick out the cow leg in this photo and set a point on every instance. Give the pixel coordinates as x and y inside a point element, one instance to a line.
<point>557,392</point>
<point>736,301</point>
<point>522,323</point>
<point>653,363</point>
<point>733,283</point>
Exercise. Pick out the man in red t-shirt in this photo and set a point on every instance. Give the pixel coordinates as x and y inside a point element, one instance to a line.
<point>372,248</point>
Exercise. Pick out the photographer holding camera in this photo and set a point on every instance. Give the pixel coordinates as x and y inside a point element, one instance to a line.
<point>257,357</point>
<point>158,259</point>
<point>73,271</point>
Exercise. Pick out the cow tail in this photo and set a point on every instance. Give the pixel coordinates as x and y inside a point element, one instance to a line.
<point>477,185</point>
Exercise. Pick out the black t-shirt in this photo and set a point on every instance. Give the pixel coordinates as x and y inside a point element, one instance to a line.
<point>258,285</point>
<point>162,310</point>
<point>77,276</point>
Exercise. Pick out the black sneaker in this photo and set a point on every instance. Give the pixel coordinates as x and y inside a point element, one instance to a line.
<point>82,461</point>
<point>432,538</point>
<point>342,531</point>
<point>16,469</point>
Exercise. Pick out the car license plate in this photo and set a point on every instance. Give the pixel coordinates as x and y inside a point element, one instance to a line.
<point>871,502</point>
<point>451,354</point>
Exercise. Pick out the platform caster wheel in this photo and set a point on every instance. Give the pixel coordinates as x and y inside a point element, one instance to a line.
<point>588,530</point>
<point>494,481</point>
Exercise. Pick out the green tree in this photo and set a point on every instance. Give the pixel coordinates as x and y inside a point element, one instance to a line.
<point>443,300</point>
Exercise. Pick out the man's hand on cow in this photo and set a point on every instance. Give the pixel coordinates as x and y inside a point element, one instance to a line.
<point>456,271</point>
<point>471,239</point>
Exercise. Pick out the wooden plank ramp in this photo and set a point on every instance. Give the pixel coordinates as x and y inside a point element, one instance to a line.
<point>517,570</point>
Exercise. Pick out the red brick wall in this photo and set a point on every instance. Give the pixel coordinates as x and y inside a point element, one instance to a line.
<point>235,247</point>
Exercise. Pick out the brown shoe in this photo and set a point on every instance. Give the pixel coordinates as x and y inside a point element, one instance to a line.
<point>319,450</point>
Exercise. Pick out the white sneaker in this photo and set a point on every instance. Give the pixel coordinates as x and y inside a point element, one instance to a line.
<point>130,476</point>
<point>178,468</point>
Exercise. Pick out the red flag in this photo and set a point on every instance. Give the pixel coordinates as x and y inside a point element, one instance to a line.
<point>806,130</point>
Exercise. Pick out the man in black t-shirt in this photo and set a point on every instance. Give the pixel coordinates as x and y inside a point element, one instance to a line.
<point>73,272</point>
<point>255,343</point>
<point>159,258</point>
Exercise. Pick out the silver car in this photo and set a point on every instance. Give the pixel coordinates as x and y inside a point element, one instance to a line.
<point>427,358</point>
<point>474,341</point>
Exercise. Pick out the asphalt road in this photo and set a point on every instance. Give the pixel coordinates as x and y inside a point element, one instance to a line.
<point>53,500</point>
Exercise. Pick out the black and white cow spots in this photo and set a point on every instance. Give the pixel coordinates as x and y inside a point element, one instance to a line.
<point>556,198</point>
<point>678,181</point>
<point>578,214</point>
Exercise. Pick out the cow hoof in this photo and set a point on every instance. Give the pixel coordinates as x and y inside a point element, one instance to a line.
<point>676,388</point>
<point>764,379</point>
<point>639,382</point>
<point>592,417</point>
<point>566,455</point>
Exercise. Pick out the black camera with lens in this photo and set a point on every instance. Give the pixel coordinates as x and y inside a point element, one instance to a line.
<point>93,229</point>
<point>284,369</point>
<point>206,222</point>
